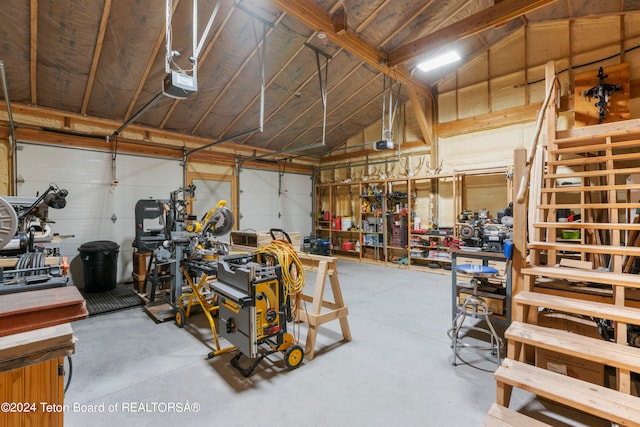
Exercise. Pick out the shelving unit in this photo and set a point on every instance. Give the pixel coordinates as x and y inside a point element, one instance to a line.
<point>397,221</point>
<point>430,249</point>
<point>372,224</point>
<point>381,215</point>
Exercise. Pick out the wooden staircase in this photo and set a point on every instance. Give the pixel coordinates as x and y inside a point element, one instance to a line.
<point>586,172</point>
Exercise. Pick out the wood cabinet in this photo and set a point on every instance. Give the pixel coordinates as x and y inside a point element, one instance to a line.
<point>34,395</point>
<point>32,376</point>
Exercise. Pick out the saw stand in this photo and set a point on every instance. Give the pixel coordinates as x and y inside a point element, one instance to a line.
<point>325,267</point>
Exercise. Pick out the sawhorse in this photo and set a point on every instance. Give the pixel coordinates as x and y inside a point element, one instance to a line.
<point>324,266</point>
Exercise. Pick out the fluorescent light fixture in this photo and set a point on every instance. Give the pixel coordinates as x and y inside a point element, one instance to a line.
<point>439,61</point>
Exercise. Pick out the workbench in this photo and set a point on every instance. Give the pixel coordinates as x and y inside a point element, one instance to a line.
<point>493,259</point>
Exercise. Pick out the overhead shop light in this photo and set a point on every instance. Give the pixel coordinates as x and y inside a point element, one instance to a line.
<point>439,61</point>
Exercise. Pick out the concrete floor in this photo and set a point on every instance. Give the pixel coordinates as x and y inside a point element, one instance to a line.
<point>397,370</point>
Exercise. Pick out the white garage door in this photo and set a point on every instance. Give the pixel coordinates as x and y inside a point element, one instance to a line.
<point>93,201</point>
<point>266,202</point>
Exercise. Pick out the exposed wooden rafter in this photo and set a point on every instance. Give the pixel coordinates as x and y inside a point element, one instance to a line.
<point>423,124</point>
<point>413,15</point>
<point>267,85</point>
<point>34,51</point>
<point>203,58</point>
<point>334,109</point>
<point>293,94</point>
<point>96,55</point>
<point>316,18</point>
<point>303,112</point>
<point>236,75</point>
<point>372,16</point>
<point>147,69</point>
<point>483,20</point>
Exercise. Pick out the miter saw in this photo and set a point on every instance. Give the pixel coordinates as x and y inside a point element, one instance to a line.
<point>29,258</point>
<point>182,247</point>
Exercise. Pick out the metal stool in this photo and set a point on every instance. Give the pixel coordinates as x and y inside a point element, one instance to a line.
<point>476,307</point>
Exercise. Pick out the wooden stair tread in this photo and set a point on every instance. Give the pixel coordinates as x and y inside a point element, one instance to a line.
<point>590,206</point>
<point>602,145</point>
<point>591,173</point>
<point>600,401</point>
<point>588,225</point>
<point>626,129</point>
<point>593,349</point>
<point>501,416</point>
<point>574,274</point>
<point>588,308</point>
<point>591,160</point>
<point>596,249</point>
<point>590,188</point>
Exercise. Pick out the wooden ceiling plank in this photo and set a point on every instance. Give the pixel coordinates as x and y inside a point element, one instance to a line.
<point>147,69</point>
<point>269,83</point>
<point>282,69</point>
<point>372,16</point>
<point>203,57</point>
<point>96,55</point>
<point>34,50</point>
<point>317,19</point>
<point>169,112</point>
<point>236,75</point>
<point>292,95</point>
<point>335,108</point>
<point>350,116</point>
<point>483,20</point>
<point>309,108</point>
<point>413,15</point>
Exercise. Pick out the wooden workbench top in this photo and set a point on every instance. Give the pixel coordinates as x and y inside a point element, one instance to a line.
<point>29,310</point>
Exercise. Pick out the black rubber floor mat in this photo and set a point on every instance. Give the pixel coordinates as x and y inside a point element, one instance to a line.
<point>120,298</point>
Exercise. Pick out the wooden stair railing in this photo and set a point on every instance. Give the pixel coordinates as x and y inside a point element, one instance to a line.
<point>585,173</point>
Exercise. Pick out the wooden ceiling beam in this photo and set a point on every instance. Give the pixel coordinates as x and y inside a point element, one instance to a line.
<point>90,132</point>
<point>34,50</point>
<point>294,93</point>
<point>317,19</point>
<point>500,13</point>
<point>96,55</point>
<point>423,124</point>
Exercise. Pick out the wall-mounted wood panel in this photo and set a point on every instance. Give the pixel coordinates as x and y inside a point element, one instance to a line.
<point>617,107</point>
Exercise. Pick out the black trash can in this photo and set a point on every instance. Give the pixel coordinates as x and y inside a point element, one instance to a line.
<point>99,265</point>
